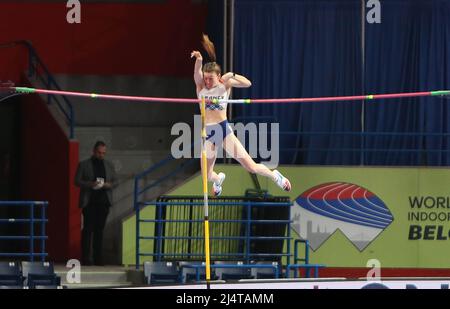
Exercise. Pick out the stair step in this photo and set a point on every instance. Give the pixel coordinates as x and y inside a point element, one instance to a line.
<point>93,277</point>
<point>96,276</point>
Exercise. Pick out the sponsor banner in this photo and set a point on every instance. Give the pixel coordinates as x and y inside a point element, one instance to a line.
<point>398,216</point>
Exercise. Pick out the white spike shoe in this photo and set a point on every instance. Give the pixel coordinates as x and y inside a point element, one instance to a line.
<point>217,186</point>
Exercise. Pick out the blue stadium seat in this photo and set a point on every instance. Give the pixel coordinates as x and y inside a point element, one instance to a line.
<point>189,274</point>
<point>231,270</point>
<point>11,287</point>
<point>10,274</point>
<point>39,273</point>
<point>161,272</point>
<point>265,273</point>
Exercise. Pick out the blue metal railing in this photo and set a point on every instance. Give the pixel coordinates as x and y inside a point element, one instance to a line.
<point>140,191</point>
<point>182,237</point>
<point>386,144</point>
<point>360,139</point>
<point>37,216</point>
<point>305,259</point>
<point>37,68</point>
<point>305,265</point>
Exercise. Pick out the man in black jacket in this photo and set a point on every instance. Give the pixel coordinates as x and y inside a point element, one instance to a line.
<point>96,178</point>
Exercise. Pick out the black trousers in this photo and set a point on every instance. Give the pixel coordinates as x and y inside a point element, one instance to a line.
<point>94,219</point>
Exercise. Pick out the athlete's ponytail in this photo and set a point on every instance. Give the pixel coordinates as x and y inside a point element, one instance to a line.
<point>209,47</point>
<point>211,50</point>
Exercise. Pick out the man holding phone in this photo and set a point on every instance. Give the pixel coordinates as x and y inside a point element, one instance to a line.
<point>96,178</point>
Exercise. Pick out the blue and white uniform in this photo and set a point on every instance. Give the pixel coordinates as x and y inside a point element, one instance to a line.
<point>217,132</point>
<point>217,93</point>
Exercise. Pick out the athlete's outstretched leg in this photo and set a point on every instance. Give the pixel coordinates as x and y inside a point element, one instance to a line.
<point>211,155</point>
<point>235,149</point>
<point>217,179</point>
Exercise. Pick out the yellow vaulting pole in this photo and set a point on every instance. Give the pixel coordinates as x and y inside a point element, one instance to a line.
<point>205,194</point>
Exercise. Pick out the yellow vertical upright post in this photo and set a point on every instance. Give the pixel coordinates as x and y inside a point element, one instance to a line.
<point>205,193</point>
